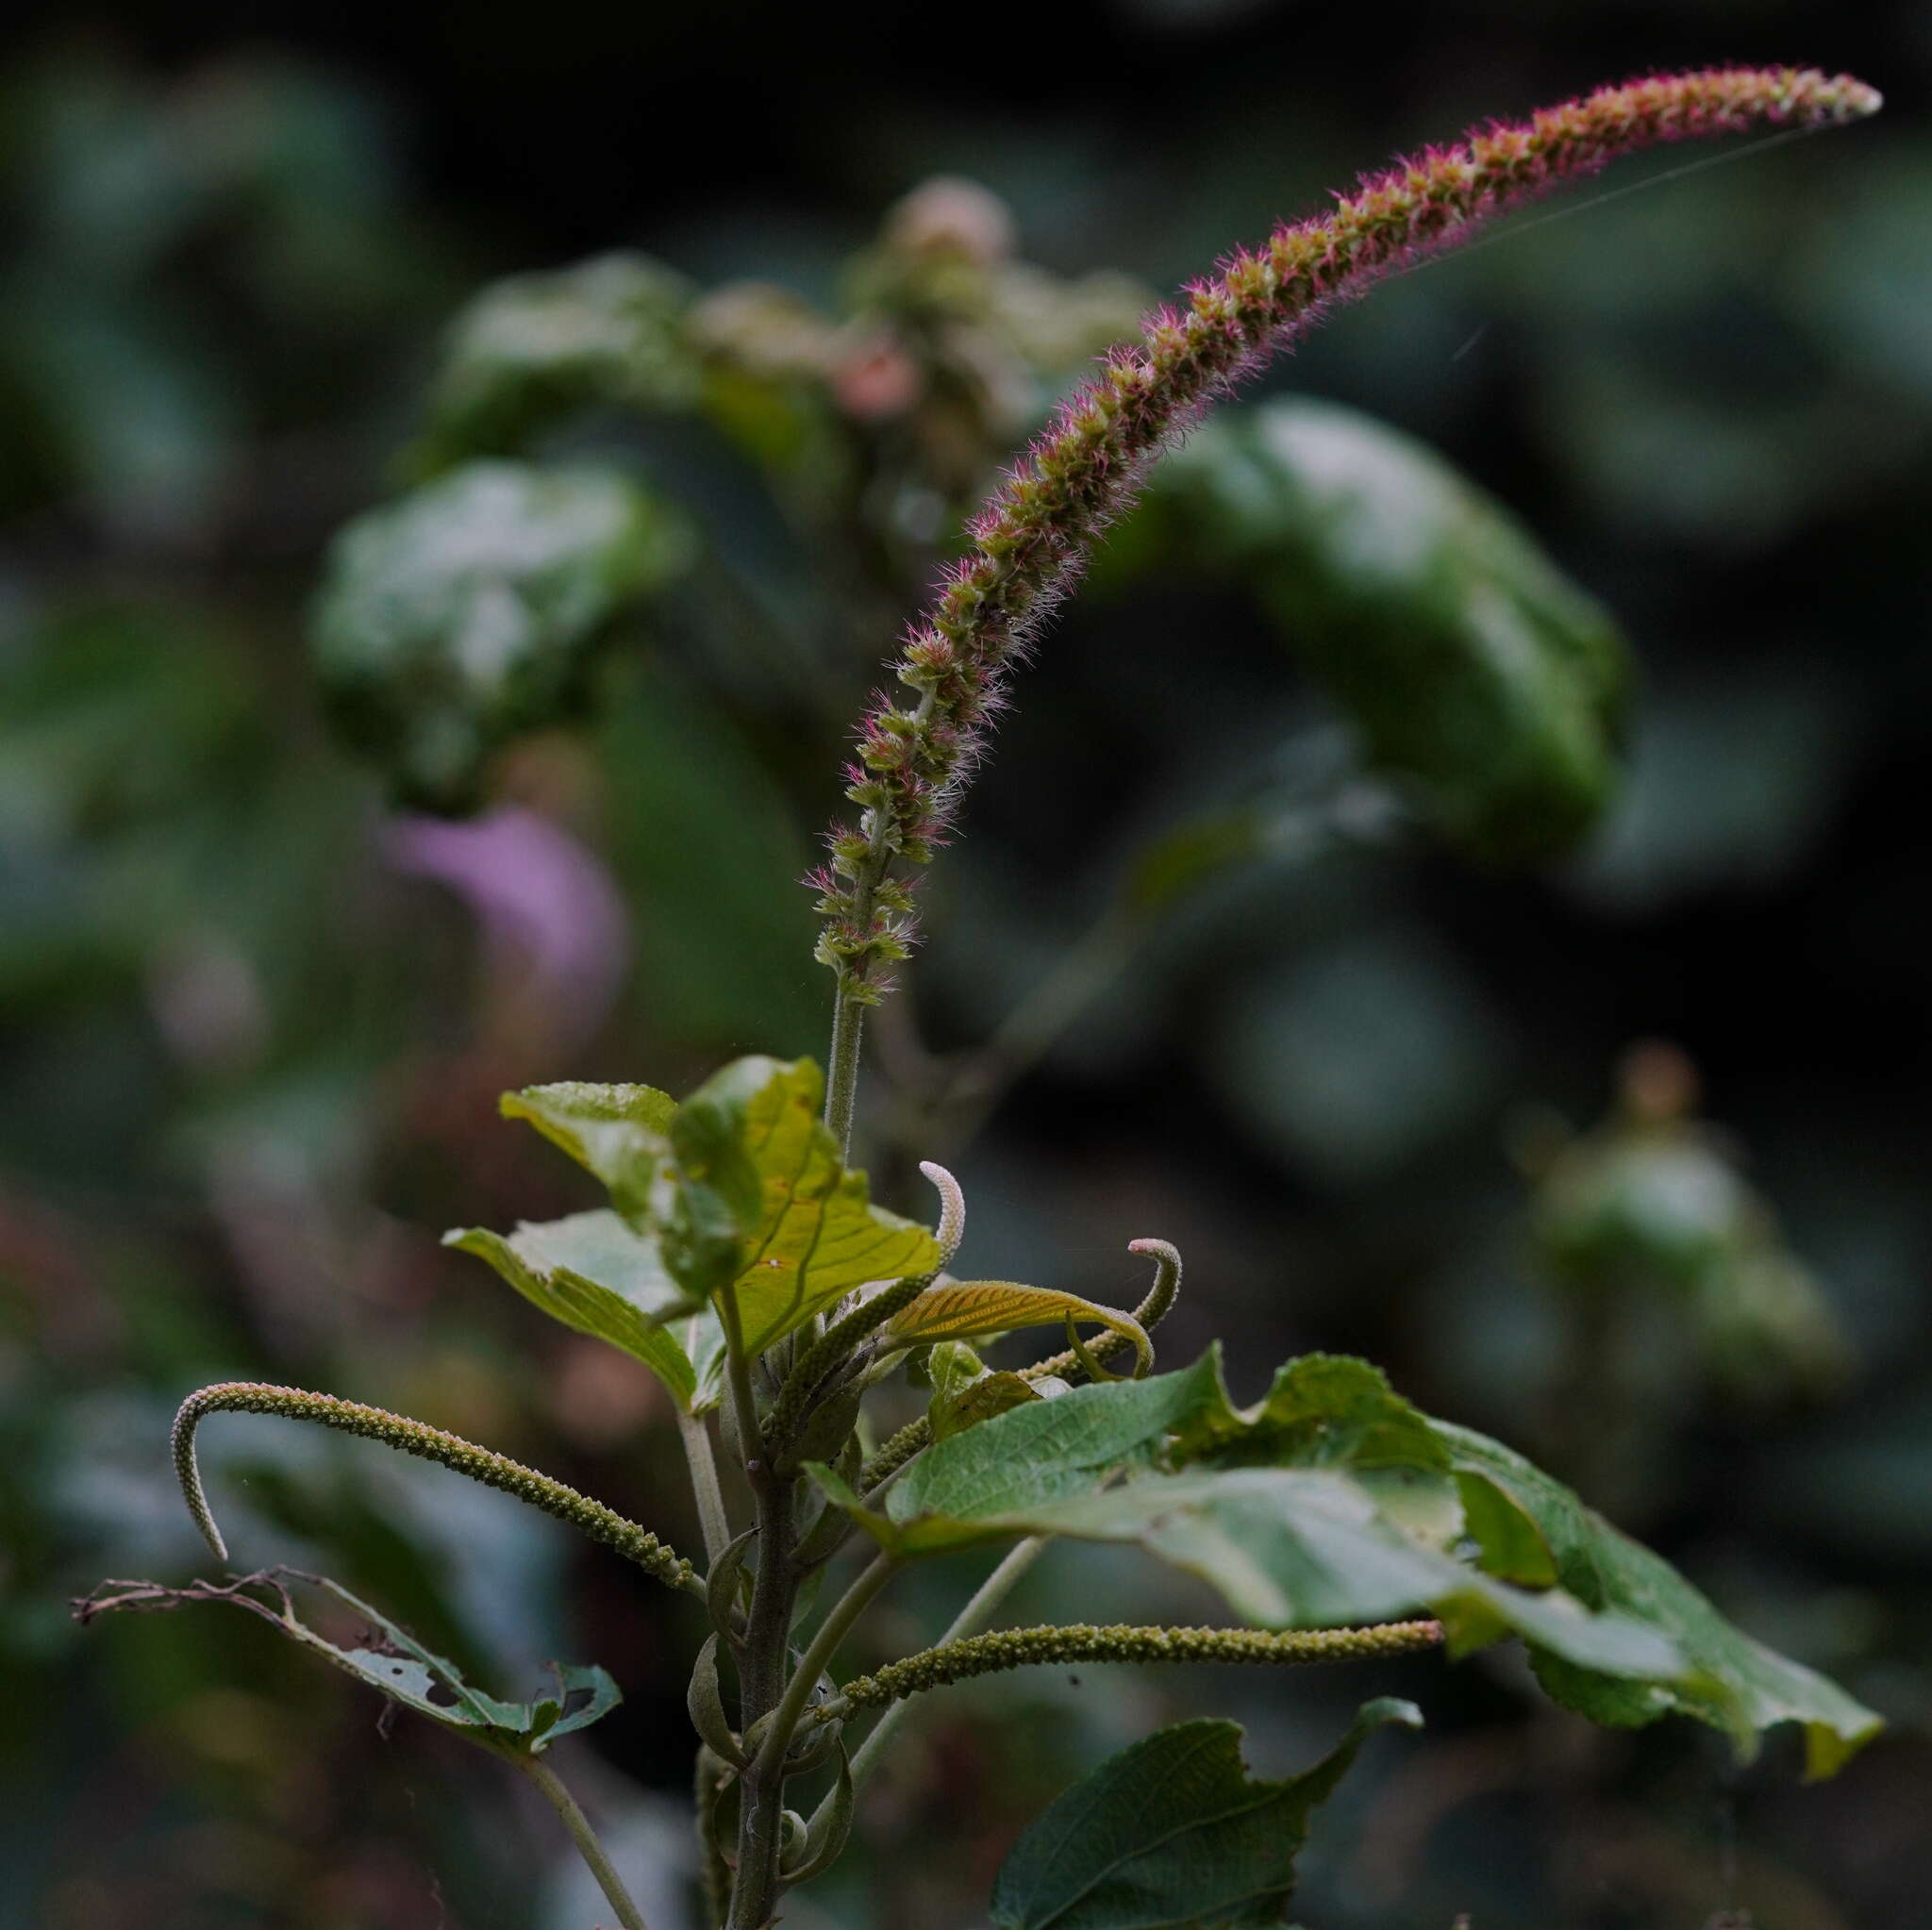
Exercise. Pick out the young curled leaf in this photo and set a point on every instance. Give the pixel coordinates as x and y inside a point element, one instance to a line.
<point>386,1657</point>
<point>977,1309</point>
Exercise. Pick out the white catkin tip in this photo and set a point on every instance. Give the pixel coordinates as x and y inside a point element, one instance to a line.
<point>952,1226</point>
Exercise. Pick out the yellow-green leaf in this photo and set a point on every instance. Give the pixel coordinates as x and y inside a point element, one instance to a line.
<point>973,1310</point>
<point>616,1132</point>
<point>762,1201</point>
<point>593,1272</point>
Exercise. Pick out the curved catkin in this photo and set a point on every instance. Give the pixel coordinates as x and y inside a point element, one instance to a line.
<point>1030,538</point>
<point>1021,1648</point>
<point>589,1517</point>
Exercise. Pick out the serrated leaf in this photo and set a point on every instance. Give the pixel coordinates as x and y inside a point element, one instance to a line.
<point>1469,662</point>
<point>1310,1544</point>
<point>974,1309</point>
<point>616,1132</point>
<point>595,1274</point>
<point>1174,1834</point>
<point>1330,1410</point>
<point>464,613</point>
<point>533,347</point>
<point>388,1657</point>
<point>1732,1682</point>
<point>761,1200</point>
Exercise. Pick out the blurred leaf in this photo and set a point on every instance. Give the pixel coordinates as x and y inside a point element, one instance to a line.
<point>979,1309</point>
<point>762,1200</point>
<point>616,1132</point>
<point>595,1274</point>
<point>1732,1682</point>
<point>1357,1056</point>
<point>464,613</point>
<point>389,1658</point>
<point>1174,1831</point>
<point>534,348</point>
<point>1471,665</point>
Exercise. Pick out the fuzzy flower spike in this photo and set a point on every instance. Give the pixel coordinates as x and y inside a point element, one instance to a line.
<point>1029,540</point>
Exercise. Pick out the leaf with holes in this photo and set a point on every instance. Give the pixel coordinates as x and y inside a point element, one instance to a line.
<point>388,1657</point>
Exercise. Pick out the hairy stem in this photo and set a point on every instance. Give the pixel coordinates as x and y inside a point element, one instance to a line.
<point>761,1666</point>
<point>824,1644</point>
<point>713,1523</point>
<point>1020,1648</point>
<point>583,1835</point>
<point>711,1779</point>
<point>842,1077</point>
<point>978,1610</point>
<point>589,1517</point>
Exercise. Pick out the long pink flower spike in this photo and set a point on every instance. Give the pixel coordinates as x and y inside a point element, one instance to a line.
<point>1033,533</point>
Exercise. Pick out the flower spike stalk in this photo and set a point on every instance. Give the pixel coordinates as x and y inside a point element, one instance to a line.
<point>1029,541</point>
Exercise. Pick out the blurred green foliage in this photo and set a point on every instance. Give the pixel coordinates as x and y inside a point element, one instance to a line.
<point>253,1021</point>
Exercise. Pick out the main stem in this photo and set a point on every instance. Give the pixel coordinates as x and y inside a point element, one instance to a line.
<point>584,1836</point>
<point>762,1668</point>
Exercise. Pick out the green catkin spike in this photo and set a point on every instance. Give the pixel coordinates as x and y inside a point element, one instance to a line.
<point>829,1353</point>
<point>589,1517</point>
<point>1150,1313</point>
<point>952,1226</point>
<point>1020,1648</point>
<point>893,1453</point>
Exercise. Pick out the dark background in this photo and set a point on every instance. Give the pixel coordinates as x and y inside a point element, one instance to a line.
<point>250,1061</point>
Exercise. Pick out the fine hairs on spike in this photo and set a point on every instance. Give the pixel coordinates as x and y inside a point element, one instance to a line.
<point>952,1226</point>
<point>1030,539</point>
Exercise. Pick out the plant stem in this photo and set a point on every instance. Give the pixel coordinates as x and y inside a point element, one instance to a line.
<point>583,1835</point>
<point>712,1520</point>
<point>970,1621</point>
<point>831,1632</point>
<point>762,1684</point>
<point>842,1078</point>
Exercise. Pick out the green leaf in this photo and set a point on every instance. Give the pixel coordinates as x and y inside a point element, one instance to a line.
<point>964,1393</point>
<point>1327,1410</point>
<point>595,1274</point>
<point>978,1309</point>
<point>535,347</point>
<point>1310,1545</point>
<point>1731,1682</point>
<point>1040,1454</point>
<point>466,612</point>
<point>762,1201</point>
<point>386,1657</point>
<point>616,1132</point>
<point>1470,664</point>
<point>1174,1834</point>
